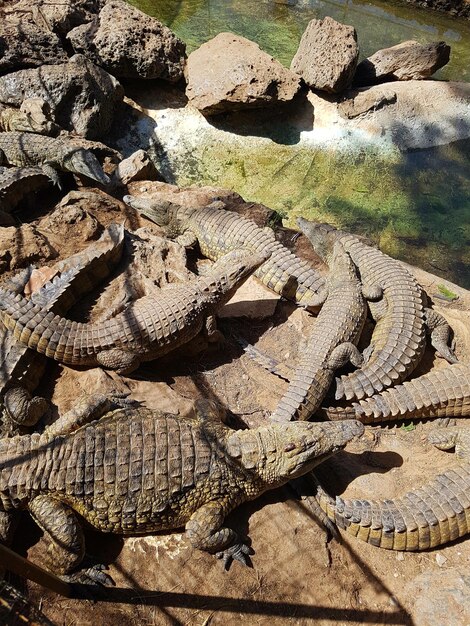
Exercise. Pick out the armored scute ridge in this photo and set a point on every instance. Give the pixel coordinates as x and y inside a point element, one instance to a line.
<point>218,231</point>
<point>397,305</point>
<point>442,393</point>
<point>332,342</point>
<point>17,183</point>
<point>147,329</point>
<point>424,518</point>
<point>29,149</point>
<point>21,368</point>
<point>138,471</point>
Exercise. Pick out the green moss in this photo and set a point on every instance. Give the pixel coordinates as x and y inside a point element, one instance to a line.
<point>447,293</point>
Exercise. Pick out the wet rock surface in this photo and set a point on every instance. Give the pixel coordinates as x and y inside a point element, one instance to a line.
<point>409,60</point>
<point>230,73</point>
<point>130,44</point>
<point>327,55</point>
<point>82,97</point>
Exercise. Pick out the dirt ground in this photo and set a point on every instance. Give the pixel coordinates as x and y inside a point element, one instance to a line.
<point>297,576</point>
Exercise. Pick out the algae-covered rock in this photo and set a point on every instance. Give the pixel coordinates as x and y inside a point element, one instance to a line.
<point>230,73</point>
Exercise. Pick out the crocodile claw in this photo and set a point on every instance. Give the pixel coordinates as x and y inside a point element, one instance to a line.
<point>94,576</point>
<point>237,552</point>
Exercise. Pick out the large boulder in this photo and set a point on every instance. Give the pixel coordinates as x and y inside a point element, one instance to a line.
<point>130,44</point>
<point>327,55</point>
<point>230,73</point>
<point>24,44</point>
<point>82,97</point>
<point>409,60</point>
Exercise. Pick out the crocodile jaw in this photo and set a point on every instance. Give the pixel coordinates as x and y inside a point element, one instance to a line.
<point>158,212</point>
<point>84,162</point>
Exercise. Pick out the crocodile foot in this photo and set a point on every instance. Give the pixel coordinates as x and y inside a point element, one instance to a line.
<point>237,552</point>
<point>89,580</point>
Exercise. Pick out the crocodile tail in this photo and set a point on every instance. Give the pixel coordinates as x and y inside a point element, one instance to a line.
<point>431,516</point>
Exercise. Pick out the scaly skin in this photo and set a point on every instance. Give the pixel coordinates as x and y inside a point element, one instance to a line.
<point>26,149</point>
<point>147,329</point>
<point>332,342</point>
<point>16,183</point>
<point>21,368</point>
<point>137,471</point>
<point>424,518</point>
<point>443,393</point>
<point>218,231</point>
<point>402,321</point>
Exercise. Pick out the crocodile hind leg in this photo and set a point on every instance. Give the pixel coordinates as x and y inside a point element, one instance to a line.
<point>22,409</point>
<point>346,352</point>
<point>439,330</point>
<point>66,542</point>
<point>205,531</point>
<point>120,361</point>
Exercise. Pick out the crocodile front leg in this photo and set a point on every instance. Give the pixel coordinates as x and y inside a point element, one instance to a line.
<point>205,531</point>
<point>22,408</point>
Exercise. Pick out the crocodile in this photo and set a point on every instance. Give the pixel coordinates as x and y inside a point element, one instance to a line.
<point>138,471</point>
<point>33,116</point>
<point>50,153</point>
<point>441,393</point>
<point>217,231</point>
<point>332,341</point>
<point>17,183</point>
<point>21,368</point>
<point>397,304</point>
<point>424,518</point>
<point>146,329</point>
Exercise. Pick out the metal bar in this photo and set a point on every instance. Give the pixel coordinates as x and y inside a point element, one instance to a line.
<point>19,565</point>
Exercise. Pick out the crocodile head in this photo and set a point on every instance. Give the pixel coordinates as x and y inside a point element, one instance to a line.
<point>159,211</point>
<point>81,161</point>
<point>280,452</point>
<point>322,236</point>
<point>224,277</point>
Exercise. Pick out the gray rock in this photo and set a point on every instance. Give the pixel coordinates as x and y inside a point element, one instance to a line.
<point>327,55</point>
<point>409,60</point>
<point>442,597</point>
<point>81,96</point>
<point>23,44</point>
<point>58,16</point>
<point>231,73</point>
<point>137,166</point>
<point>130,44</point>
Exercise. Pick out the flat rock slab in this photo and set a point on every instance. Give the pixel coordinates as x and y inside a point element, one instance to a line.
<point>450,601</point>
<point>130,44</point>
<point>82,97</point>
<point>409,60</point>
<point>230,73</point>
<point>327,55</point>
<point>23,44</point>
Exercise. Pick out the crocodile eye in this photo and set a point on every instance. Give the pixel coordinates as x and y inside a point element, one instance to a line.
<point>289,447</point>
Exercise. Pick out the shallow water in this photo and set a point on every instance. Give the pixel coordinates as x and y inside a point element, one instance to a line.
<point>416,206</point>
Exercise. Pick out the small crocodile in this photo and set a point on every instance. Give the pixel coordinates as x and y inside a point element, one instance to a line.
<point>33,116</point>
<point>17,183</point>
<point>332,341</point>
<point>50,153</point>
<point>137,471</point>
<point>218,231</point>
<point>397,304</point>
<point>443,393</point>
<point>147,329</point>
<point>424,518</point>
<point>21,368</point>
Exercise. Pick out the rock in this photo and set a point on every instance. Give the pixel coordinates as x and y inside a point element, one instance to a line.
<point>59,16</point>
<point>449,601</point>
<point>23,44</point>
<point>23,245</point>
<point>327,55</point>
<point>409,60</point>
<point>360,102</point>
<point>230,73</point>
<point>252,300</point>
<point>130,44</point>
<point>33,116</point>
<point>136,167</point>
<point>82,97</point>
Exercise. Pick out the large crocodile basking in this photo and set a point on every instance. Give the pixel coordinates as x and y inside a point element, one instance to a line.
<point>21,368</point>
<point>137,471</point>
<point>218,231</point>
<point>441,393</point>
<point>147,328</point>
<point>427,517</point>
<point>402,319</point>
<point>51,154</point>
<point>332,342</point>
